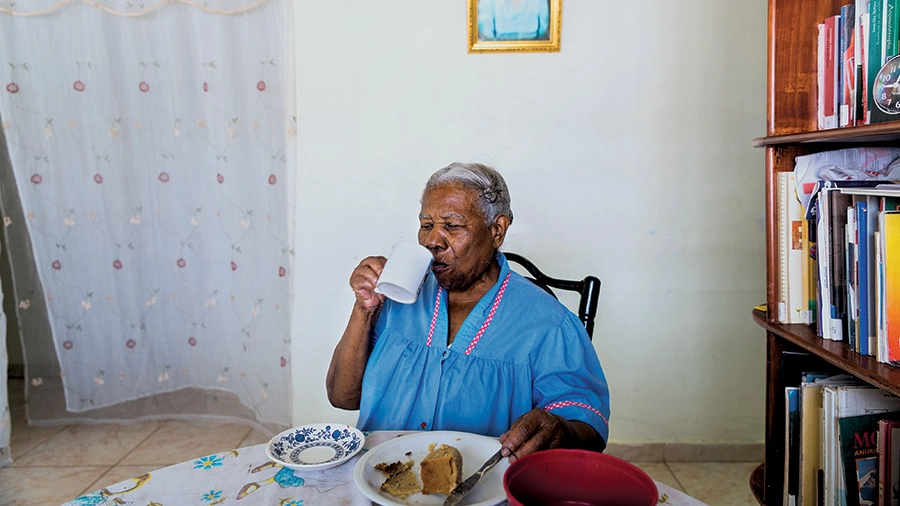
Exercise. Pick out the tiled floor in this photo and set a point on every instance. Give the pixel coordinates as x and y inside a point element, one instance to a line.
<point>52,465</point>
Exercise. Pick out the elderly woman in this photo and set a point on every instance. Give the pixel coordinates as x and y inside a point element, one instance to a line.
<point>482,349</point>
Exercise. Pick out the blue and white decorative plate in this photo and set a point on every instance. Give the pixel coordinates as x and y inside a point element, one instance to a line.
<point>316,446</point>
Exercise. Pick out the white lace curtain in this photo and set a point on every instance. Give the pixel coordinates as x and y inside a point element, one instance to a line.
<point>148,212</point>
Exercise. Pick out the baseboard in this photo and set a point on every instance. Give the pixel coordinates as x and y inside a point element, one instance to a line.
<point>688,452</point>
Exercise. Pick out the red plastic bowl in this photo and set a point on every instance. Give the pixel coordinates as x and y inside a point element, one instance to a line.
<point>577,478</point>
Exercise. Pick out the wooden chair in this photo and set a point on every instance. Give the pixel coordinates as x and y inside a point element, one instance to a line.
<point>587,288</point>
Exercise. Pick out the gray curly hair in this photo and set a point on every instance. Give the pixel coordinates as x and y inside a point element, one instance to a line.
<point>493,195</point>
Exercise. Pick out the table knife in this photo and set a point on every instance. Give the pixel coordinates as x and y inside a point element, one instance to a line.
<point>465,487</point>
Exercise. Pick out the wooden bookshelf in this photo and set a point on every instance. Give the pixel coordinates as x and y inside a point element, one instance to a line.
<point>791,131</point>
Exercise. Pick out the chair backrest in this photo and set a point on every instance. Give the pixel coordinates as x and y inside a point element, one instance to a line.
<point>587,288</point>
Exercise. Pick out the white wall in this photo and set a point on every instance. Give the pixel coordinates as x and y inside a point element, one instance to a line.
<point>628,155</point>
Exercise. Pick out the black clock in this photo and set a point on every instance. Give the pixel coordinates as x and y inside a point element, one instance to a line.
<point>886,90</point>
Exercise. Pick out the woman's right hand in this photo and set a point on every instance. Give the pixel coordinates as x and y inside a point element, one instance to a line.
<point>343,382</point>
<point>363,280</point>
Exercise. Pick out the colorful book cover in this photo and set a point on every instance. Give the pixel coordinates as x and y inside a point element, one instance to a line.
<point>867,479</point>
<point>859,454</point>
<point>890,229</point>
<point>841,402</point>
<point>885,204</point>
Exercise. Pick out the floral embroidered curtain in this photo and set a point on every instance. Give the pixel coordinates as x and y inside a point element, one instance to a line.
<point>151,149</point>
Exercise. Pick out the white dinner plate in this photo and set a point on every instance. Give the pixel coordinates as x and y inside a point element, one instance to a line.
<point>474,449</point>
<point>315,446</point>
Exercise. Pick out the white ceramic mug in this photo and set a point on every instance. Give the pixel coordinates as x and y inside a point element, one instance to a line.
<point>404,273</point>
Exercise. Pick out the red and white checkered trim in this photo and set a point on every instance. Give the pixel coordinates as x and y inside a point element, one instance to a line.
<point>484,326</point>
<point>490,316</point>
<point>437,306</point>
<point>563,404</point>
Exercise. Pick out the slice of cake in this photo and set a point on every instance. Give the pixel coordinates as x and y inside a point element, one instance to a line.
<point>441,470</point>
<point>401,480</point>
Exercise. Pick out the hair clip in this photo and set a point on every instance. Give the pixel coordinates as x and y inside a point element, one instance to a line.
<point>492,196</point>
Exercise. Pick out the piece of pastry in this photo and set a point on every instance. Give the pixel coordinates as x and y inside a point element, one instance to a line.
<point>441,470</point>
<point>401,481</point>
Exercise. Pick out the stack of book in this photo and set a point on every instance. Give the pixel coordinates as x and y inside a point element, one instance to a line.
<point>840,262</point>
<point>842,440</point>
<point>852,46</point>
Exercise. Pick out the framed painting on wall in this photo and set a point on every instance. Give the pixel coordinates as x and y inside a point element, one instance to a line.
<point>514,25</point>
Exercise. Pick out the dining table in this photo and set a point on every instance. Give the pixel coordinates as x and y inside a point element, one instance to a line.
<point>248,476</point>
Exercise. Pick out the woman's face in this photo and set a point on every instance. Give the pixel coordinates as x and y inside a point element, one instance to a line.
<point>452,227</point>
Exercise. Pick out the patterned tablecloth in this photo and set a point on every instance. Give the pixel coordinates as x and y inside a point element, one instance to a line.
<point>245,476</point>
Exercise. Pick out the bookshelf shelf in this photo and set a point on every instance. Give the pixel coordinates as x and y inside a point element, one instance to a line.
<point>836,353</point>
<point>791,131</point>
<point>868,134</point>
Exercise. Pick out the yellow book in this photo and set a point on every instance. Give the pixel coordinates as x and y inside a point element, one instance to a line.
<point>810,434</point>
<point>890,231</point>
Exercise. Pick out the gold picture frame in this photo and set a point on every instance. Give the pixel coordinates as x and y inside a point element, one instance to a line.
<point>532,26</point>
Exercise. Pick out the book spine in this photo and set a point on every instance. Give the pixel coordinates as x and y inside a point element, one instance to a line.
<point>874,59</point>
<point>810,435</point>
<point>884,466</point>
<point>837,227</point>
<point>851,281</point>
<point>848,65</point>
<point>831,71</point>
<point>871,228</point>
<point>798,308</point>
<point>885,206</point>
<point>812,282</point>
<point>783,223</point>
<point>891,21</point>
<point>862,273</point>
<point>860,41</point>
<point>838,65</point>
<point>792,445</point>
<point>823,287</point>
<point>831,449</point>
<point>884,355</point>
<point>820,77</point>
<point>892,459</point>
